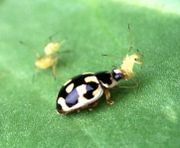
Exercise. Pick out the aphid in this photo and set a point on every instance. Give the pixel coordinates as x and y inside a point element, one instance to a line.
<point>85,90</point>
<point>52,48</point>
<point>50,57</point>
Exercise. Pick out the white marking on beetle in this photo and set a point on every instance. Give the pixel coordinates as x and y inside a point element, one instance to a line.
<point>81,90</point>
<point>91,79</point>
<point>104,84</point>
<point>117,71</point>
<point>96,91</point>
<point>63,104</point>
<point>87,73</point>
<point>82,102</point>
<point>60,100</point>
<point>67,82</point>
<point>69,87</point>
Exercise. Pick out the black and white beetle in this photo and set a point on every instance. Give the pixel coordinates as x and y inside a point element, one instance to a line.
<point>85,90</point>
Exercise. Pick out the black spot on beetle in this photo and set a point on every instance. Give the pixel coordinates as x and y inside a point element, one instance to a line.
<point>77,81</point>
<point>104,77</point>
<point>59,107</point>
<point>62,93</point>
<point>90,88</point>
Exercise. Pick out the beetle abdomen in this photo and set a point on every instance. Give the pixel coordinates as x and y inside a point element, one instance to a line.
<point>78,93</point>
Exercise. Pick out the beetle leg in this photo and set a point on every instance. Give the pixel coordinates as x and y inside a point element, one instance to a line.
<point>108,97</point>
<point>90,107</point>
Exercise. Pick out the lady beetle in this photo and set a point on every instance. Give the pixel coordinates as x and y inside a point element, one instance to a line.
<point>85,90</point>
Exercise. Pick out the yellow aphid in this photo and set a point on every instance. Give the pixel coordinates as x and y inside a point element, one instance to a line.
<point>52,48</point>
<point>45,62</point>
<point>50,57</point>
<point>128,64</point>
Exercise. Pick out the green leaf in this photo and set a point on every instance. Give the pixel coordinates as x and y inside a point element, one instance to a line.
<point>146,116</point>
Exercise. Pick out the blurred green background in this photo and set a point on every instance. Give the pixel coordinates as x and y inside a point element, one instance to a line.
<point>146,116</point>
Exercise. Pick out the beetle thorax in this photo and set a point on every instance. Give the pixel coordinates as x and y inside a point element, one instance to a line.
<point>116,75</point>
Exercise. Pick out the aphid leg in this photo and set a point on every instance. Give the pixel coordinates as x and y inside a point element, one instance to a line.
<point>54,68</point>
<point>35,74</point>
<point>30,47</point>
<point>108,97</point>
<point>90,109</point>
<point>54,71</point>
<point>62,112</point>
<point>65,113</point>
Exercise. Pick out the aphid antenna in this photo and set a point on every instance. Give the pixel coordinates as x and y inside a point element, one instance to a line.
<point>25,44</point>
<point>139,52</point>
<point>109,55</point>
<point>50,38</point>
<point>130,49</point>
<point>30,47</point>
<point>140,55</point>
<point>63,51</point>
<point>62,42</point>
<point>130,39</point>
